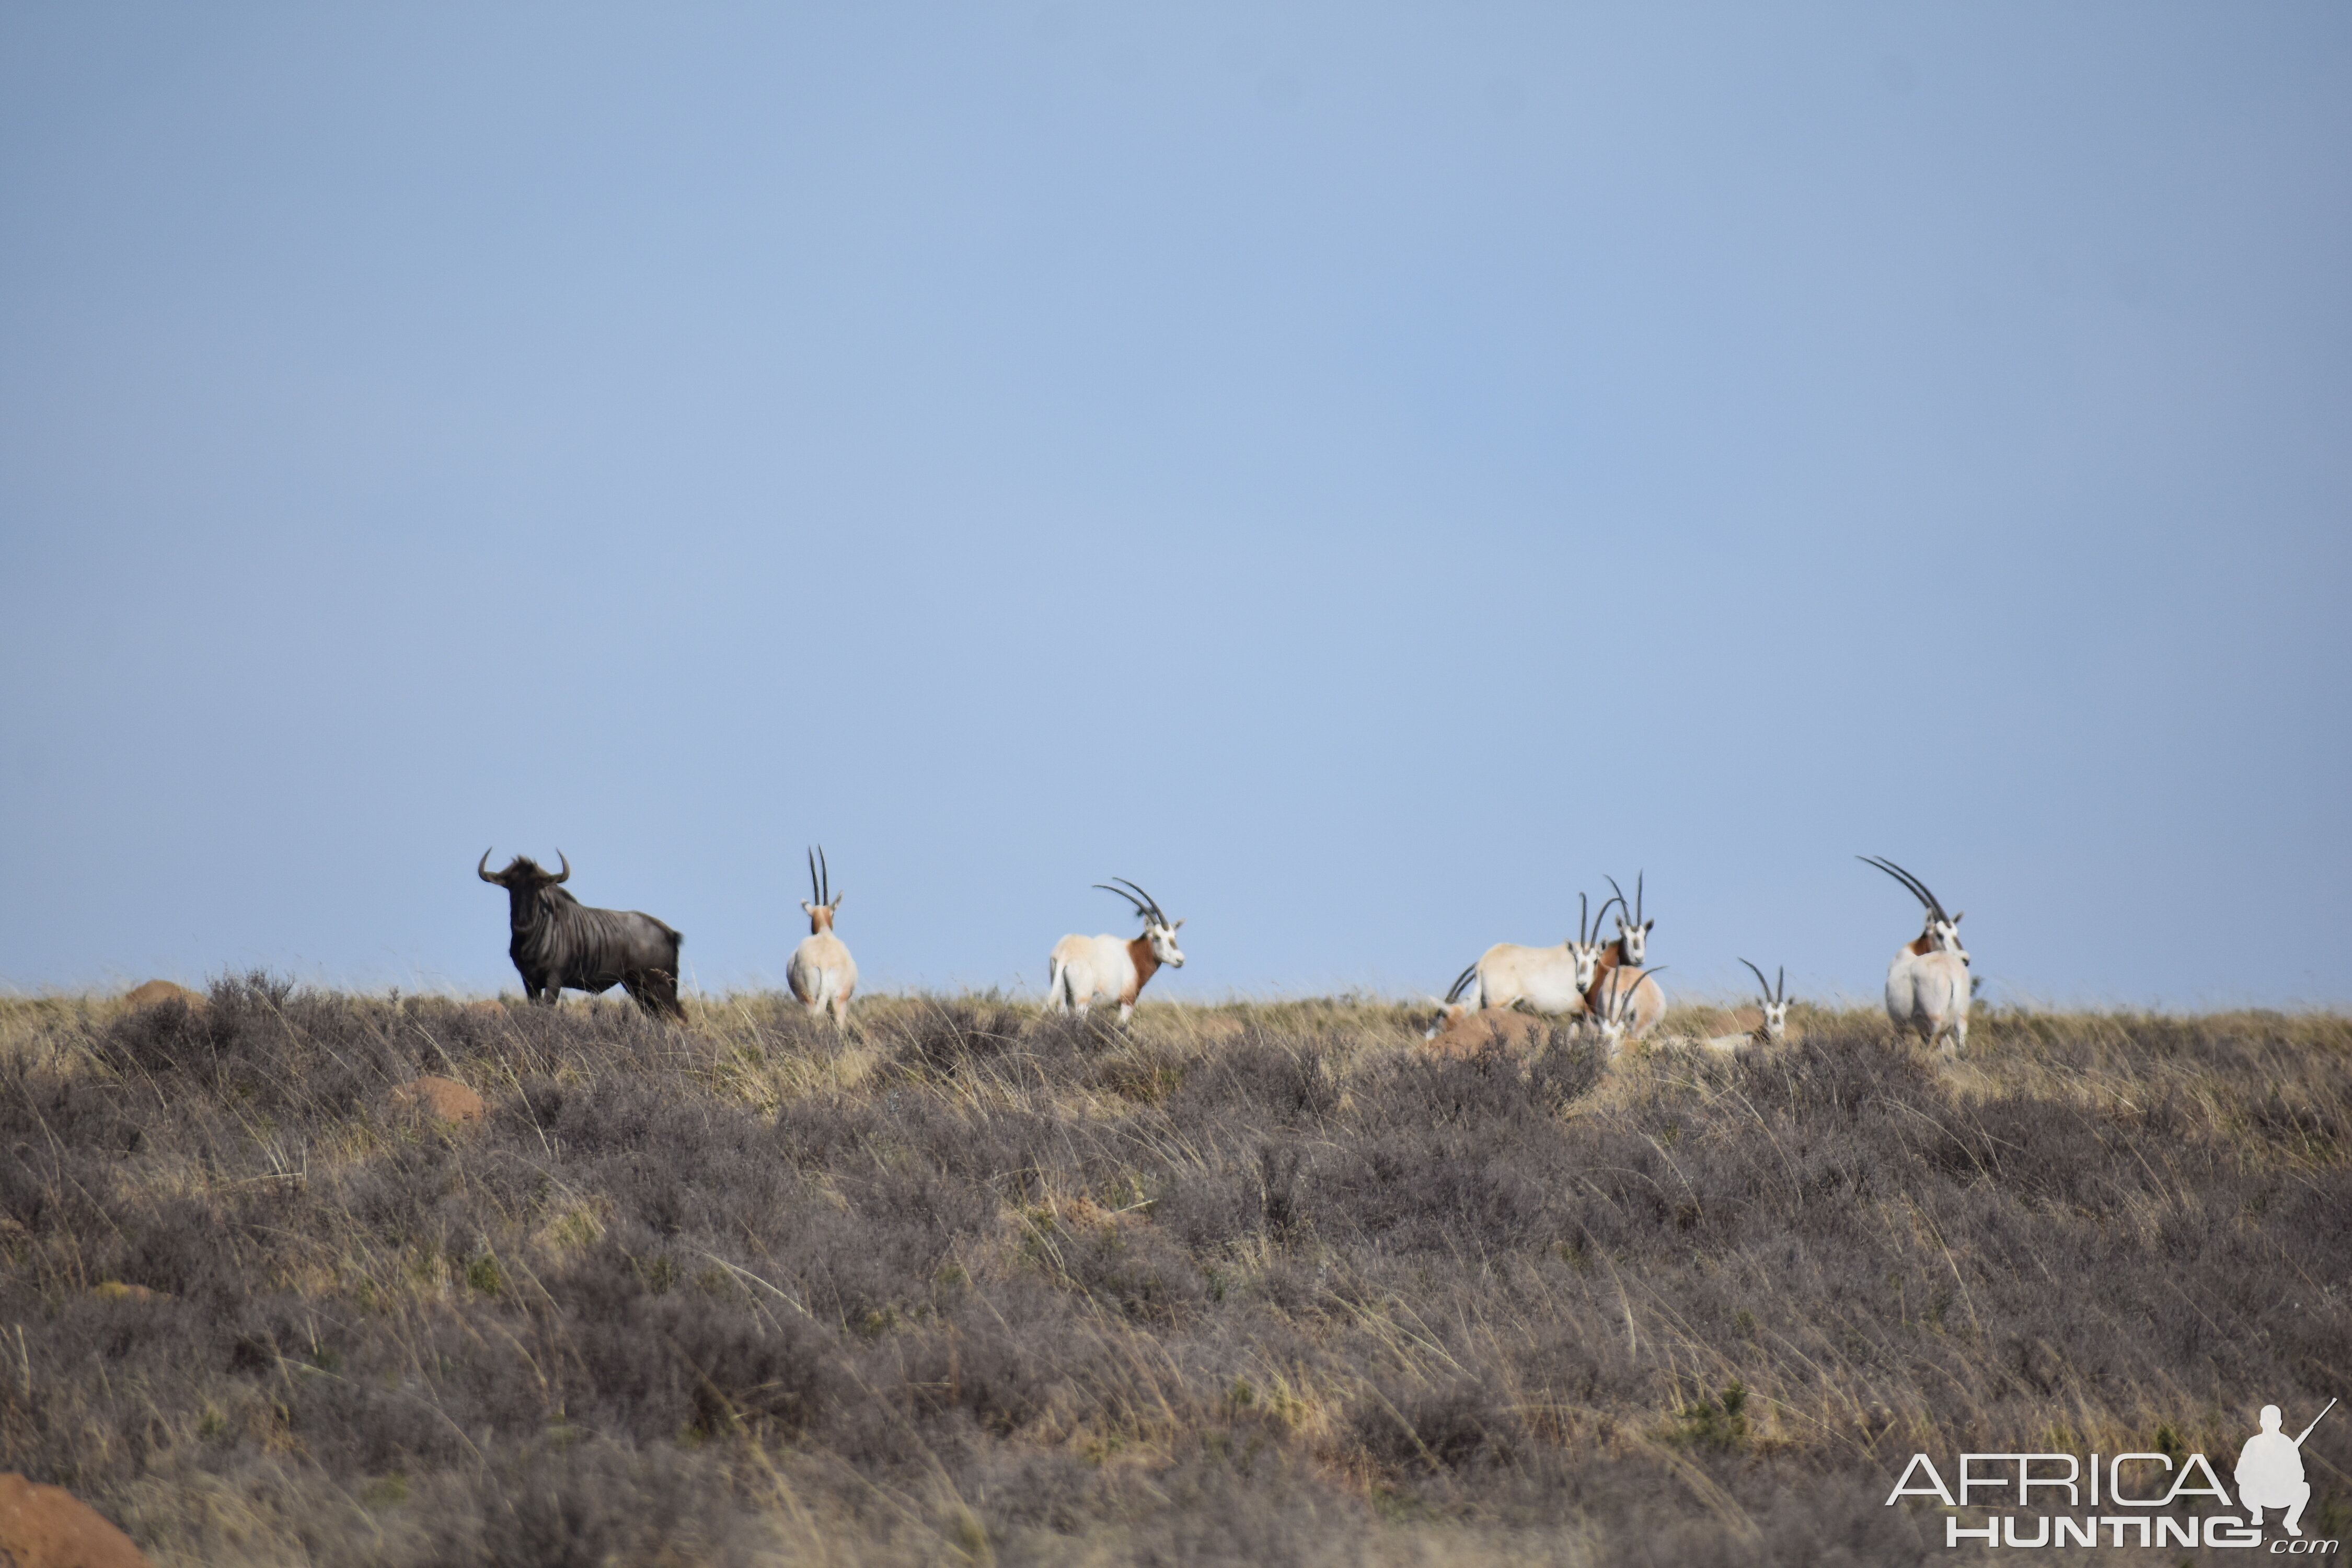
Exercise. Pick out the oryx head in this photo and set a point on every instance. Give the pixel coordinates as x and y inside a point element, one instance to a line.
<point>1158,928</point>
<point>1452,1005</point>
<point>1941,932</point>
<point>828,902</point>
<point>1776,1006</point>
<point>1634,933</point>
<point>1587,948</point>
<point>1619,998</point>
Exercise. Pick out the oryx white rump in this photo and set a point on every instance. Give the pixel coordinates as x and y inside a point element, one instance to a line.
<point>820,972</point>
<point>1083,970</point>
<point>1927,982</point>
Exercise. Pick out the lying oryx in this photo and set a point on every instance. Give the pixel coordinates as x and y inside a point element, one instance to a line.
<point>1625,1006</point>
<point>1773,1028</point>
<point>1549,980</point>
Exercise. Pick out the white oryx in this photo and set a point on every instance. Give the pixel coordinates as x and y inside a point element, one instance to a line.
<point>1927,984</point>
<point>1550,980</point>
<point>1084,968</point>
<point>1465,1033</point>
<point>1774,1029</point>
<point>1633,936</point>
<point>822,973</point>
<point>1617,970</point>
<point>1625,1009</point>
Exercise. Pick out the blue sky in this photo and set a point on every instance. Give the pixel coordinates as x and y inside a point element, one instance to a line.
<point>1364,473</point>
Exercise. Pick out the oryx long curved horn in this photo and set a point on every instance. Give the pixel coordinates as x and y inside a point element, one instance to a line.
<point>816,891</point>
<point>1918,889</point>
<point>1141,908</point>
<point>1769,997</point>
<point>1461,984</point>
<point>1639,877</point>
<point>1601,915</point>
<point>482,869</point>
<point>1159,915</point>
<point>1780,990</point>
<point>825,894</point>
<point>1579,916</point>
<point>567,866</point>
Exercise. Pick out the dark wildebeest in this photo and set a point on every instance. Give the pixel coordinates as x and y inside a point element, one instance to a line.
<point>559,942</point>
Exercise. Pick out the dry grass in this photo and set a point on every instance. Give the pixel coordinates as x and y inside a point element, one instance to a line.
<point>1250,1283</point>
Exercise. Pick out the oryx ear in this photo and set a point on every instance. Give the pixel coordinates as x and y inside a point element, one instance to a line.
<point>836,900</point>
<point>1178,926</point>
<point>1959,917</point>
<point>1648,923</point>
<point>807,908</point>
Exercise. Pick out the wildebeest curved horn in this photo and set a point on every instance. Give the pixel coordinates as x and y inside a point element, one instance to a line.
<point>1760,981</point>
<point>482,869</point>
<point>567,866</point>
<point>1918,889</point>
<point>1158,916</point>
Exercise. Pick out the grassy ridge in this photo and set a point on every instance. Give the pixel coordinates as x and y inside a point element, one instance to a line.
<point>1252,1283</point>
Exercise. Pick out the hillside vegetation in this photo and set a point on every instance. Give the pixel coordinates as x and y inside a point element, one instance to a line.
<point>1254,1283</point>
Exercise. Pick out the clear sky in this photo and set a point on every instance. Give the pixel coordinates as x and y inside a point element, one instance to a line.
<point>1363,472</point>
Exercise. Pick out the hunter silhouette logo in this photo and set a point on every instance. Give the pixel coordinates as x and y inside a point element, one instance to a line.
<point>2269,1471</point>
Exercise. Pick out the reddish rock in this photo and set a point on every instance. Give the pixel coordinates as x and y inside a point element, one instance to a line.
<point>49,1527</point>
<point>157,991</point>
<point>444,1097</point>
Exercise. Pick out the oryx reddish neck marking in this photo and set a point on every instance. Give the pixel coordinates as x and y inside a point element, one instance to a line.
<point>1920,946</point>
<point>1147,964</point>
